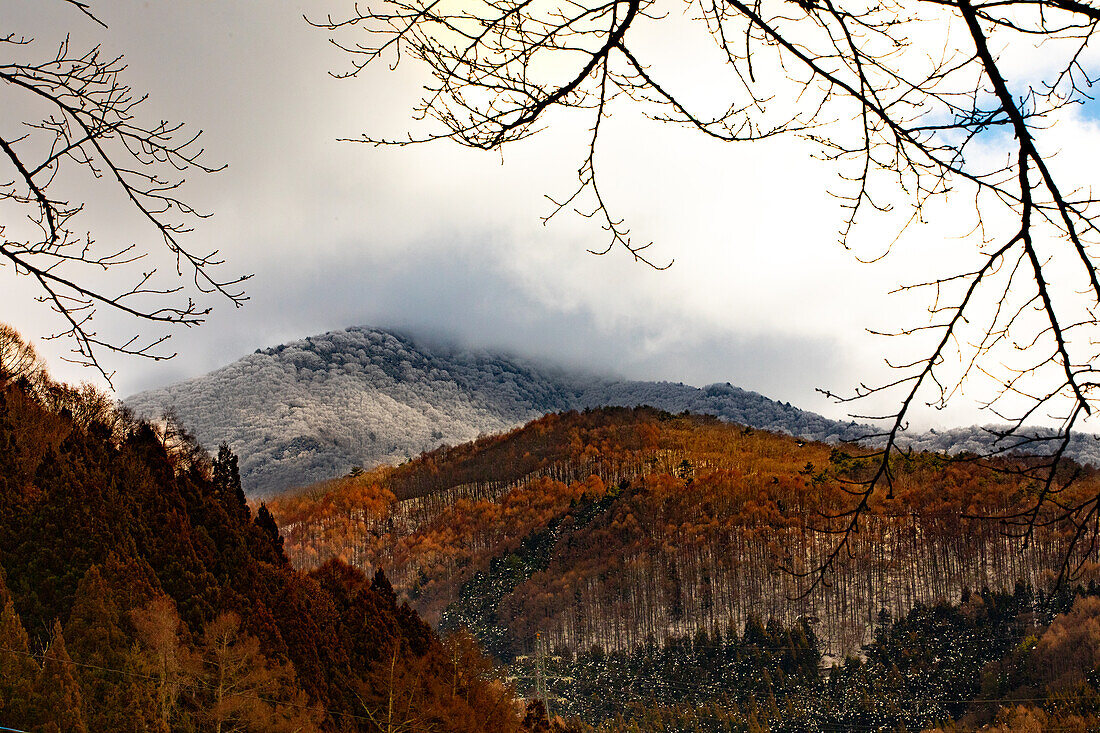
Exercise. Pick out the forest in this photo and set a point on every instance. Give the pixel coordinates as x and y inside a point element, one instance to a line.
<point>995,661</point>
<point>638,570</point>
<point>140,592</point>
<point>610,526</point>
<point>564,566</point>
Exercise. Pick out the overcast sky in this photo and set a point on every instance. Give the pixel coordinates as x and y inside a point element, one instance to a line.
<point>447,242</point>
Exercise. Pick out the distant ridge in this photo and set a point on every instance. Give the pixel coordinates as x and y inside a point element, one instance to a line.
<point>315,408</point>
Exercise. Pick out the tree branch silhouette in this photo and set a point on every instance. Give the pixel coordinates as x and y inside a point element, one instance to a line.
<point>74,141</point>
<point>900,97</point>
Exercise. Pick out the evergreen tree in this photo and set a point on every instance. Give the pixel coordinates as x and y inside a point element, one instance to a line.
<point>98,642</point>
<point>17,667</point>
<point>227,482</point>
<point>380,584</point>
<point>94,631</point>
<point>266,522</point>
<point>58,705</point>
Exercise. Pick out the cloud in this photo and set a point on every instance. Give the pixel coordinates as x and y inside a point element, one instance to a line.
<point>462,294</point>
<point>447,241</point>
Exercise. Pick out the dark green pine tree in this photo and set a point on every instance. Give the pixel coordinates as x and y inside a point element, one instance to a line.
<point>266,522</point>
<point>380,584</point>
<point>100,645</point>
<point>227,482</point>
<point>94,631</point>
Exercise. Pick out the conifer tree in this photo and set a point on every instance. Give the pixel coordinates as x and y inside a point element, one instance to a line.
<point>227,482</point>
<point>97,641</point>
<point>17,667</point>
<point>58,705</point>
<point>380,584</point>
<point>266,522</point>
<point>94,631</point>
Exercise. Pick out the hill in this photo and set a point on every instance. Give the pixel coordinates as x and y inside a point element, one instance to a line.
<point>640,562</point>
<point>140,592</point>
<point>616,525</point>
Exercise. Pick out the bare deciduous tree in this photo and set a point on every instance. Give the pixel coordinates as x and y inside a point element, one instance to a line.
<point>17,357</point>
<point>905,99</point>
<point>72,139</point>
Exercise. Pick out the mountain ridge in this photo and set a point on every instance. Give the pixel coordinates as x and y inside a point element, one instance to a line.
<point>317,407</point>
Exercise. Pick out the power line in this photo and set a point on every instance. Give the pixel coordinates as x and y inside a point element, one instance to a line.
<point>192,685</point>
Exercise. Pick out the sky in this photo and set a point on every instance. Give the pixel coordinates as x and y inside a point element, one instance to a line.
<point>448,243</point>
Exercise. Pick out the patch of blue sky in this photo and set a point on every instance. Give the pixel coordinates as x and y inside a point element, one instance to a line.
<point>1000,134</point>
<point>1090,109</point>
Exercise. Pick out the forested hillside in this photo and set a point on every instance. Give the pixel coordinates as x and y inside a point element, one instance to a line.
<point>633,568</point>
<point>626,562</point>
<point>139,592</point>
<point>315,408</point>
<point>616,526</point>
<point>1012,661</point>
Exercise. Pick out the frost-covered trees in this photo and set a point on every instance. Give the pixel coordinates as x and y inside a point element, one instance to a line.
<point>314,409</point>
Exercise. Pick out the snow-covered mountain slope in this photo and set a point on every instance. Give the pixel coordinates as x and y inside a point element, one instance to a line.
<point>315,408</point>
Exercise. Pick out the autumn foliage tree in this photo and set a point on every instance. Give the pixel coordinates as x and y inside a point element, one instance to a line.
<point>162,656</point>
<point>242,689</point>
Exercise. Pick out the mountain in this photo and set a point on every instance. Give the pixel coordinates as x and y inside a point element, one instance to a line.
<point>318,407</point>
<point>635,554</point>
<point>632,557</point>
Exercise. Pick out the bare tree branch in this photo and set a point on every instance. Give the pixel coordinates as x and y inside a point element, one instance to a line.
<point>90,134</point>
